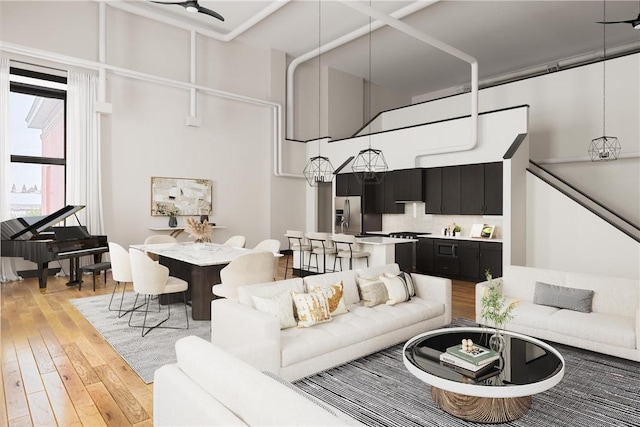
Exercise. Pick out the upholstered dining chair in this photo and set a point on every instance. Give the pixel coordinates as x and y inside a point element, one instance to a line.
<point>152,279</point>
<point>121,274</point>
<point>271,245</point>
<point>247,269</point>
<point>236,241</point>
<point>346,246</point>
<point>158,238</point>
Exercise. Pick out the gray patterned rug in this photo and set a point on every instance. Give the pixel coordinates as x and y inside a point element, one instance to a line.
<point>147,354</point>
<point>596,390</point>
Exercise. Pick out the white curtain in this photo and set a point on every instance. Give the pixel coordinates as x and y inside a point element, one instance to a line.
<point>84,186</point>
<point>7,272</point>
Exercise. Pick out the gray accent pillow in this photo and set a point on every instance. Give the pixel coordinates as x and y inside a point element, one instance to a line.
<point>563,297</point>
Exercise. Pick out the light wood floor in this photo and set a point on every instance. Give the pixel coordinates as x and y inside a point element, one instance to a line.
<point>58,370</point>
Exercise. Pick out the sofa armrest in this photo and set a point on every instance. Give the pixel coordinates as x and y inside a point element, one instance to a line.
<point>638,329</point>
<point>436,288</point>
<point>238,325</point>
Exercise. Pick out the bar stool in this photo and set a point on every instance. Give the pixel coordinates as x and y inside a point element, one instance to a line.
<point>321,244</point>
<point>344,243</point>
<point>297,242</point>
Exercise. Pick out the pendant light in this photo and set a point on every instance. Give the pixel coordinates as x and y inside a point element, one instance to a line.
<point>604,148</point>
<point>319,168</point>
<point>370,164</point>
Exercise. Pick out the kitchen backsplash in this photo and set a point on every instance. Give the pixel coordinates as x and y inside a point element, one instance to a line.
<point>435,223</point>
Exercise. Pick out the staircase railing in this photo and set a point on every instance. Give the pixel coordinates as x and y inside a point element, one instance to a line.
<point>618,221</point>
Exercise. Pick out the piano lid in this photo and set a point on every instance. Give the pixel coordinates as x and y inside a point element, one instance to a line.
<point>25,228</point>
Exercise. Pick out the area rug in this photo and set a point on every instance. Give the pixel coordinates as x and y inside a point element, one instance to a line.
<point>377,390</point>
<point>147,354</point>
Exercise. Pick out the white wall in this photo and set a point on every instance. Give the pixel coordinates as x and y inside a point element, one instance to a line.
<point>561,235</point>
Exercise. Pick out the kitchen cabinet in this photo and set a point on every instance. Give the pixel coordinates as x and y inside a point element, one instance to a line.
<point>433,190</point>
<point>409,185</point>
<point>348,185</point>
<point>442,190</point>
<point>424,255</point>
<point>469,259</point>
<point>490,259</point>
<point>390,183</point>
<point>481,189</point>
<point>380,197</point>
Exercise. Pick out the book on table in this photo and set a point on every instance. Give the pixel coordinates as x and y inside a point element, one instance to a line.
<point>477,356</point>
<point>483,372</point>
<point>451,360</point>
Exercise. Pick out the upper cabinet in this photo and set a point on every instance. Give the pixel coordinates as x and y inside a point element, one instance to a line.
<point>481,189</point>
<point>442,190</point>
<point>348,185</point>
<point>409,185</point>
<point>464,190</point>
<point>380,197</point>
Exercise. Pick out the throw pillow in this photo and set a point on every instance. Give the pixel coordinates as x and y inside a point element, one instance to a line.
<point>280,306</point>
<point>397,288</point>
<point>334,295</point>
<point>408,280</point>
<point>312,308</point>
<point>372,292</point>
<point>563,297</point>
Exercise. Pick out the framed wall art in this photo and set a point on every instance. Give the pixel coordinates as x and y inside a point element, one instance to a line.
<point>181,196</point>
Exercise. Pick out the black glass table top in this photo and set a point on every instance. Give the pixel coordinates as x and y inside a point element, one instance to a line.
<point>524,360</point>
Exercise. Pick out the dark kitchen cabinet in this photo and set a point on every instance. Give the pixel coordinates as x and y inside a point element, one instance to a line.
<point>442,190</point>
<point>390,183</point>
<point>348,185</point>
<point>450,190</point>
<point>493,188</point>
<point>481,189</point>
<point>424,255</point>
<point>379,197</point>
<point>472,189</point>
<point>408,185</point>
<point>469,259</point>
<point>490,259</point>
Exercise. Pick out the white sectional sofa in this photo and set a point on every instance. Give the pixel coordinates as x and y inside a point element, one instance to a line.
<point>209,387</point>
<point>611,327</point>
<point>292,353</point>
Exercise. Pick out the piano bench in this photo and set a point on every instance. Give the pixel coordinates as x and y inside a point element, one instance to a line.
<point>95,269</point>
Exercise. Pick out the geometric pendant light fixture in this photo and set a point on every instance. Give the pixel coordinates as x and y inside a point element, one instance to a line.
<point>604,148</point>
<point>319,168</point>
<point>370,165</point>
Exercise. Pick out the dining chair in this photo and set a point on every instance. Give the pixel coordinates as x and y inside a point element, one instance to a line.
<point>121,274</point>
<point>345,245</point>
<point>271,245</point>
<point>151,279</point>
<point>247,269</point>
<point>158,238</point>
<point>236,241</point>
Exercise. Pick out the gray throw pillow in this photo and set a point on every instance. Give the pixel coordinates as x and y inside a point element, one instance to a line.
<point>563,297</point>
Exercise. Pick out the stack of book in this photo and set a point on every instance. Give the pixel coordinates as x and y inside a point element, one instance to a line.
<point>477,363</point>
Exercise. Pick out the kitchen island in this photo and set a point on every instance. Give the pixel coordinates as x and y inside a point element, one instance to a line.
<point>383,250</point>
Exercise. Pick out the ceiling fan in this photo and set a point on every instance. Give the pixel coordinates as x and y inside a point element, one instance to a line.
<point>193,7</point>
<point>635,23</point>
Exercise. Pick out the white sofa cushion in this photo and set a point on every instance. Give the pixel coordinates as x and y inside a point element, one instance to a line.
<point>359,324</point>
<point>618,331</point>
<point>347,277</point>
<point>527,313</point>
<point>280,306</point>
<point>611,295</point>
<point>521,281</point>
<point>268,290</point>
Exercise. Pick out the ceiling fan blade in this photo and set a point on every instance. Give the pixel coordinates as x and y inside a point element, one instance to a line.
<point>210,13</point>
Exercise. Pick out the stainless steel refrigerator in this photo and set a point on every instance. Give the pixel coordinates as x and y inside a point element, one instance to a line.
<point>348,216</point>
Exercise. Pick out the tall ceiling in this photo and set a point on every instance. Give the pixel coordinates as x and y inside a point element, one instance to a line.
<point>504,36</point>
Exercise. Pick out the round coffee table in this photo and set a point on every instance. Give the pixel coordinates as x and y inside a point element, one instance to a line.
<point>526,366</point>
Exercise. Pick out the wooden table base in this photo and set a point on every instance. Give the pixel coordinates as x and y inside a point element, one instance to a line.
<point>481,409</point>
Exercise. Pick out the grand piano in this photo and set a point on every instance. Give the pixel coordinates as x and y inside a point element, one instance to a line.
<point>36,239</point>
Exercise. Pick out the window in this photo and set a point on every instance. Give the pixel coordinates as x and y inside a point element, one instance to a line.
<point>37,142</point>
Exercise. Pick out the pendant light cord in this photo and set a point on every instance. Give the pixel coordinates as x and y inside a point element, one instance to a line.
<point>604,66</point>
<point>319,71</point>
<point>369,113</point>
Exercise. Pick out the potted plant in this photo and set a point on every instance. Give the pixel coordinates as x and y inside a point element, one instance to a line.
<point>495,311</point>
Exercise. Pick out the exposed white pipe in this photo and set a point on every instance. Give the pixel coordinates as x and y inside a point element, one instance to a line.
<point>398,14</point>
<point>419,35</point>
<point>130,7</point>
<point>102,52</point>
<point>192,77</point>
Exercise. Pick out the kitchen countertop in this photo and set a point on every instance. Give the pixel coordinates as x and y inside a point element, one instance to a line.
<point>476,239</point>
<point>381,240</point>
